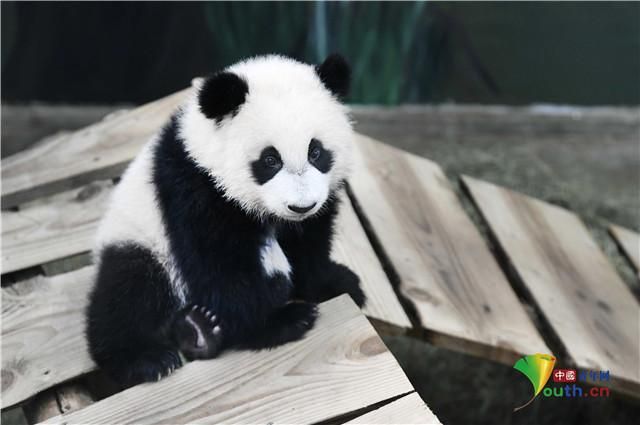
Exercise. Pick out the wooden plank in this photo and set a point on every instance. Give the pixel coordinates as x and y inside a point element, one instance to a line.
<point>629,242</point>
<point>409,409</point>
<point>352,248</point>
<point>58,227</point>
<point>341,366</point>
<point>65,225</point>
<point>43,340</point>
<point>589,307</point>
<point>446,271</point>
<point>99,151</point>
<point>63,398</point>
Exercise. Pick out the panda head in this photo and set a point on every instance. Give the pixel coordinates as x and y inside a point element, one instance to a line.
<point>272,134</point>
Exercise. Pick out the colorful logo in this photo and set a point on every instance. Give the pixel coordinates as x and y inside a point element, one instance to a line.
<point>537,368</point>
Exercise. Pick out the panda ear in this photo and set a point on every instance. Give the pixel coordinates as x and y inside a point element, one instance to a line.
<point>335,74</point>
<point>222,94</point>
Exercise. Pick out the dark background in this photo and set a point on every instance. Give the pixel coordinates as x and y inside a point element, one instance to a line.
<point>509,53</point>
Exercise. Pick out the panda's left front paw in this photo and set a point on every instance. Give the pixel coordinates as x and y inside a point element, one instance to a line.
<point>345,281</point>
<point>198,333</point>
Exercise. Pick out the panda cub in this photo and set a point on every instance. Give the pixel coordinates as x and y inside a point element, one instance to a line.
<point>219,233</point>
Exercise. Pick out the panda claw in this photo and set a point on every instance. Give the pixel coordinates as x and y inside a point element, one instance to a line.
<point>216,330</point>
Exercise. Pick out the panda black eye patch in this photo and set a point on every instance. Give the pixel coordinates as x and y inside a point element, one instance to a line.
<point>320,157</point>
<point>266,166</point>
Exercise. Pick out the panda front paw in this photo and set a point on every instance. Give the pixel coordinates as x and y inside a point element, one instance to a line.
<point>198,333</point>
<point>337,279</point>
<point>300,316</point>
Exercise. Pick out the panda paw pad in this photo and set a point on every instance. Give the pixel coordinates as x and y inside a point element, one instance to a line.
<point>208,315</point>
<point>198,332</point>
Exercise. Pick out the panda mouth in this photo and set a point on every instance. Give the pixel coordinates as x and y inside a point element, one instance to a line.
<point>301,210</point>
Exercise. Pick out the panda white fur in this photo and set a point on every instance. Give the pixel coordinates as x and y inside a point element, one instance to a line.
<point>219,233</point>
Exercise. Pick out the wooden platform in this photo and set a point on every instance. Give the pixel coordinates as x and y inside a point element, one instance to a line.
<point>590,308</point>
<point>425,267</point>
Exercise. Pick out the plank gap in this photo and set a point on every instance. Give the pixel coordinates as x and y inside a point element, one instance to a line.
<point>16,276</point>
<point>359,412</point>
<point>67,264</point>
<point>601,234</point>
<point>620,258</point>
<point>551,338</point>
<point>385,261</point>
<point>61,185</point>
<point>62,399</point>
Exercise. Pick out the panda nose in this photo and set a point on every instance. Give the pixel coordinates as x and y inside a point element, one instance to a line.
<point>301,210</point>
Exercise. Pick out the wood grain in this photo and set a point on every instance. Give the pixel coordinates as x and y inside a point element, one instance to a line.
<point>446,271</point>
<point>629,242</point>
<point>99,151</point>
<point>352,248</point>
<point>589,307</point>
<point>43,340</point>
<point>53,228</point>
<point>341,366</point>
<point>409,409</point>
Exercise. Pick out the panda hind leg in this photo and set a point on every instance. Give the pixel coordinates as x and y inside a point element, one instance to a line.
<point>127,325</point>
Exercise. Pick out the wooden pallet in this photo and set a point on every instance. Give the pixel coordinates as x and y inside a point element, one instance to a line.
<point>425,267</point>
<point>591,310</point>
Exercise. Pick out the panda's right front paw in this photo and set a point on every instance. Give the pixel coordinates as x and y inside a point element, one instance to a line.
<point>198,333</point>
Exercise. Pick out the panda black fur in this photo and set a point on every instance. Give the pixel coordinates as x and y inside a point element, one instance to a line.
<point>219,233</point>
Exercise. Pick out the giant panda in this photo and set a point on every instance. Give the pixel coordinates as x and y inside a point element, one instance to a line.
<point>219,233</point>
